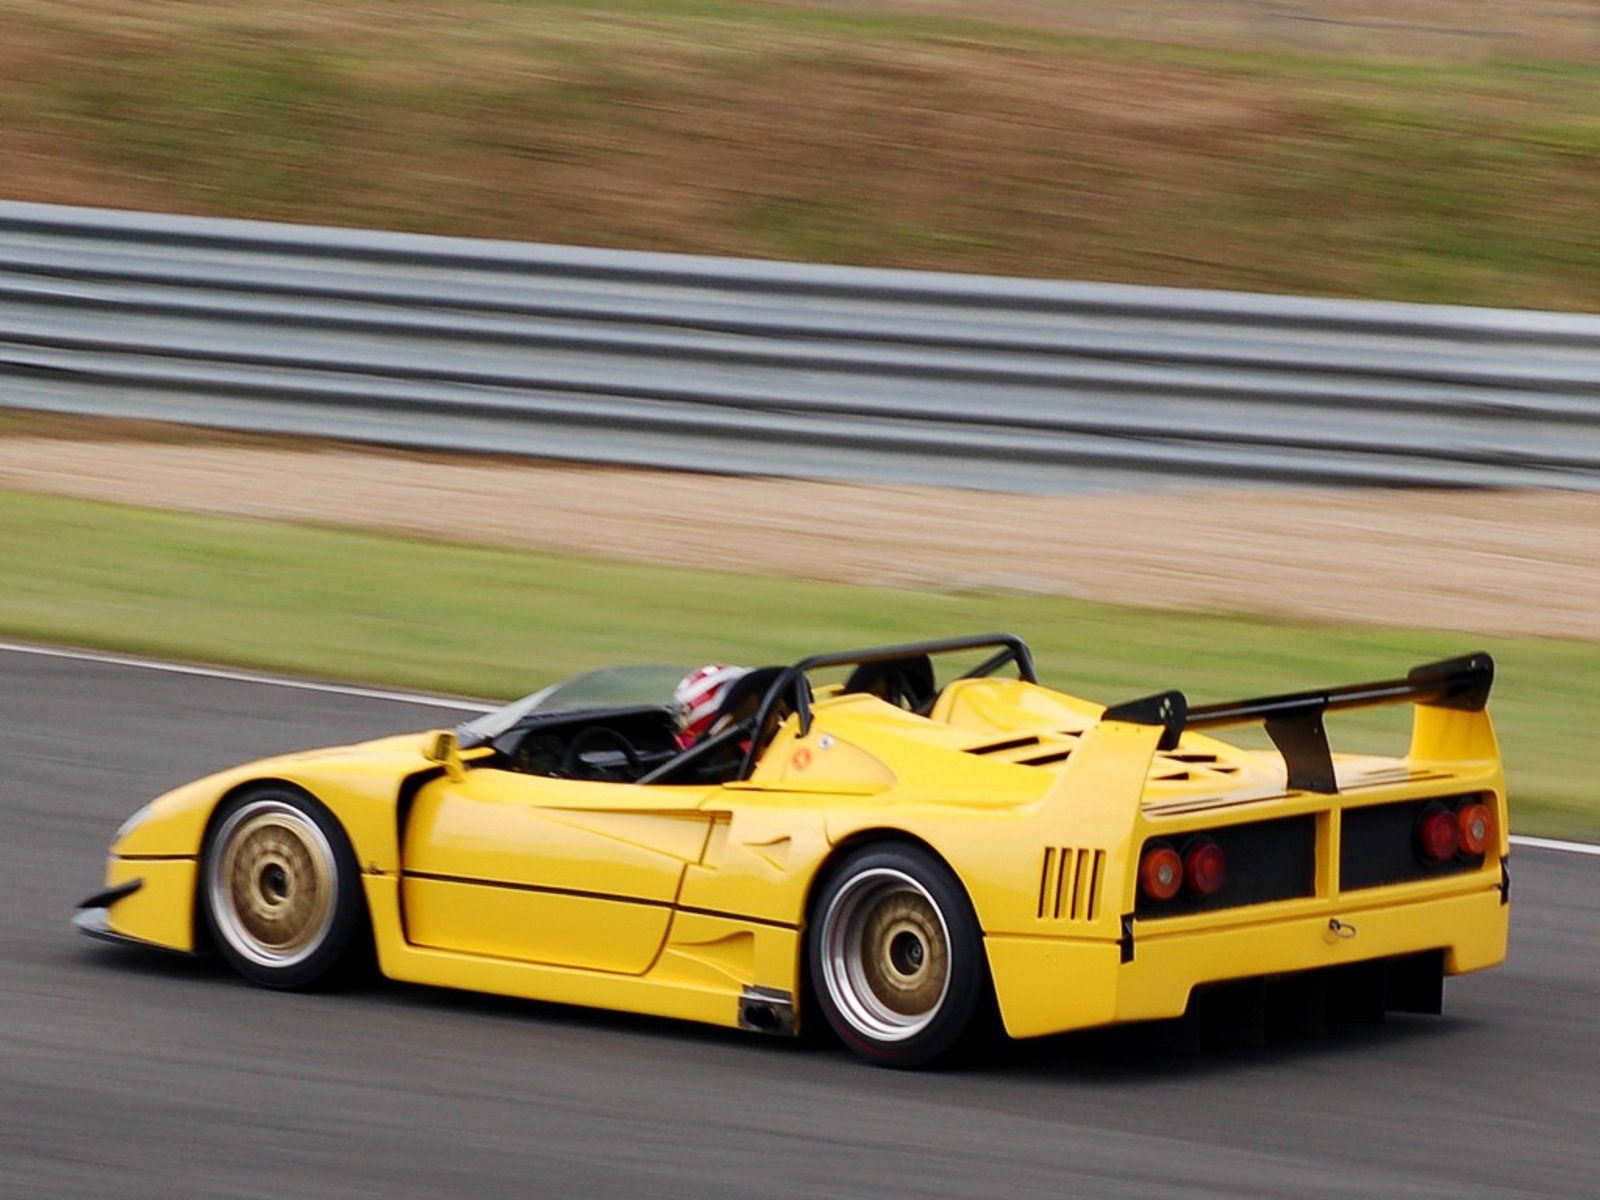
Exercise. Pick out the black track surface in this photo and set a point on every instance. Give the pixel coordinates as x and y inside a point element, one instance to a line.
<point>125,1074</point>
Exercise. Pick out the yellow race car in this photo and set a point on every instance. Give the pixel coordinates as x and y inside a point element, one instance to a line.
<point>860,844</point>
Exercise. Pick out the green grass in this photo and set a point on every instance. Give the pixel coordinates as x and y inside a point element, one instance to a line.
<point>346,605</point>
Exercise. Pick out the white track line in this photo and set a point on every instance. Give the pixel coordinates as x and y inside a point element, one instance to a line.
<point>1539,843</point>
<point>303,685</point>
<point>338,689</point>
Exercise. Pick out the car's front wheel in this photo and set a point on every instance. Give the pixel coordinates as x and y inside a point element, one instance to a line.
<point>281,893</point>
<point>896,956</point>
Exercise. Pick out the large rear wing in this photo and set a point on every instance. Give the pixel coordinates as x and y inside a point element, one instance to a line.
<point>1294,721</point>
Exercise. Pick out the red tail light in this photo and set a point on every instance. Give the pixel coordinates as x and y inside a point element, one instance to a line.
<point>1474,824</point>
<point>1437,835</point>
<point>1160,873</point>
<point>1205,868</point>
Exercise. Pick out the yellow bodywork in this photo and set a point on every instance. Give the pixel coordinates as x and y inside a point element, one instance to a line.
<point>679,900</point>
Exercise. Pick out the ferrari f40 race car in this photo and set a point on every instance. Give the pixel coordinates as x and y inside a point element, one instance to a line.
<point>892,855</point>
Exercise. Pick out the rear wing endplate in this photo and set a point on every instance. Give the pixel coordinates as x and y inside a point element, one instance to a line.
<point>1294,720</point>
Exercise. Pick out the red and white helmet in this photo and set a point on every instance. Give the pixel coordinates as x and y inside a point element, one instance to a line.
<point>698,698</point>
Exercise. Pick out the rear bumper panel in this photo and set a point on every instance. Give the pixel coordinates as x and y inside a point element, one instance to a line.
<point>1049,985</point>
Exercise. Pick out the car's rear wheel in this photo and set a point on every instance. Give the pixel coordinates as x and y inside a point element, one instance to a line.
<point>896,956</point>
<point>281,892</point>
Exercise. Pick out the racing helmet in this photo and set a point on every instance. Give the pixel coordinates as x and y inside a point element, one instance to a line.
<point>698,698</point>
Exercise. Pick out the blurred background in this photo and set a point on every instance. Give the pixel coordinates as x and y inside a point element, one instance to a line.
<point>1411,149</point>
<point>1194,489</point>
<point>1231,345</point>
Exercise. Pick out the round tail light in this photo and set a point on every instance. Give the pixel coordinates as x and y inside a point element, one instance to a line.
<point>1474,824</point>
<point>1437,835</point>
<point>1205,868</point>
<point>1160,873</point>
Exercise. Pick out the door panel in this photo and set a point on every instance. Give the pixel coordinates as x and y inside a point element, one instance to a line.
<point>512,840</point>
<point>533,926</point>
<point>548,870</point>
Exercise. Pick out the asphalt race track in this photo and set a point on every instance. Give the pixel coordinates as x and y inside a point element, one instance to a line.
<point>125,1074</point>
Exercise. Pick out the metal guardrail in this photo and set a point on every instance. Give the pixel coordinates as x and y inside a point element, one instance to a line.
<point>777,368</point>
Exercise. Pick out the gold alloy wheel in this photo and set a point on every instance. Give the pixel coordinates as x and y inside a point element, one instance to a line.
<point>885,954</point>
<point>272,883</point>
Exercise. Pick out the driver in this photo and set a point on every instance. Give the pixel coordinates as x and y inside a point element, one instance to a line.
<point>698,698</point>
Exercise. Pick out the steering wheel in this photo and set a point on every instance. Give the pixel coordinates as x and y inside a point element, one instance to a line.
<point>597,737</point>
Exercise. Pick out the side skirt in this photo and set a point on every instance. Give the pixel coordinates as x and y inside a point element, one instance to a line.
<point>688,981</point>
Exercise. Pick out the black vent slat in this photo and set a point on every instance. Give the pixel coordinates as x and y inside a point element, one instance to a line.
<point>1045,760</point>
<point>1001,747</point>
<point>1096,870</point>
<point>1044,877</point>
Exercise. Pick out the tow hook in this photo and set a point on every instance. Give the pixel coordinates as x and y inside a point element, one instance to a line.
<point>1340,930</point>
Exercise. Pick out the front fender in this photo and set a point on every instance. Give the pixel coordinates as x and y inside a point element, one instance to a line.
<point>358,784</point>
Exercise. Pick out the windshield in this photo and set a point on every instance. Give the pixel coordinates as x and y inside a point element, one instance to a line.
<point>648,685</point>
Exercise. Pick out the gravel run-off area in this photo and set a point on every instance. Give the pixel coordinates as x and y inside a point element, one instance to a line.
<point>1511,563</point>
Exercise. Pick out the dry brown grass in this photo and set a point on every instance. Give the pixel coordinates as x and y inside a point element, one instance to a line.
<point>1447,30</point>
<point>903,132</point>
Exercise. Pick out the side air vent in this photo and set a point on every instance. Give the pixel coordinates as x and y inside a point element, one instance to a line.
<point>1069,884</point>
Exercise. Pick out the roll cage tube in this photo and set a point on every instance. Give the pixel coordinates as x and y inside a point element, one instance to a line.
<point>1009,648</point>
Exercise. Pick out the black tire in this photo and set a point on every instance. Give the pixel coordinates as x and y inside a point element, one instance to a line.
<point>895,956</point>
<point>280,891</point>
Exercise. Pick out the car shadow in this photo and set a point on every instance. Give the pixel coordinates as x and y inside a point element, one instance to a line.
<point>1120,1056</point>
<point>372,989</point>
<point>151,962</point>
<point>1161,1051</point>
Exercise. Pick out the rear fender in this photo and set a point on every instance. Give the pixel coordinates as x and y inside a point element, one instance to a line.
<point>1010,860</point>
